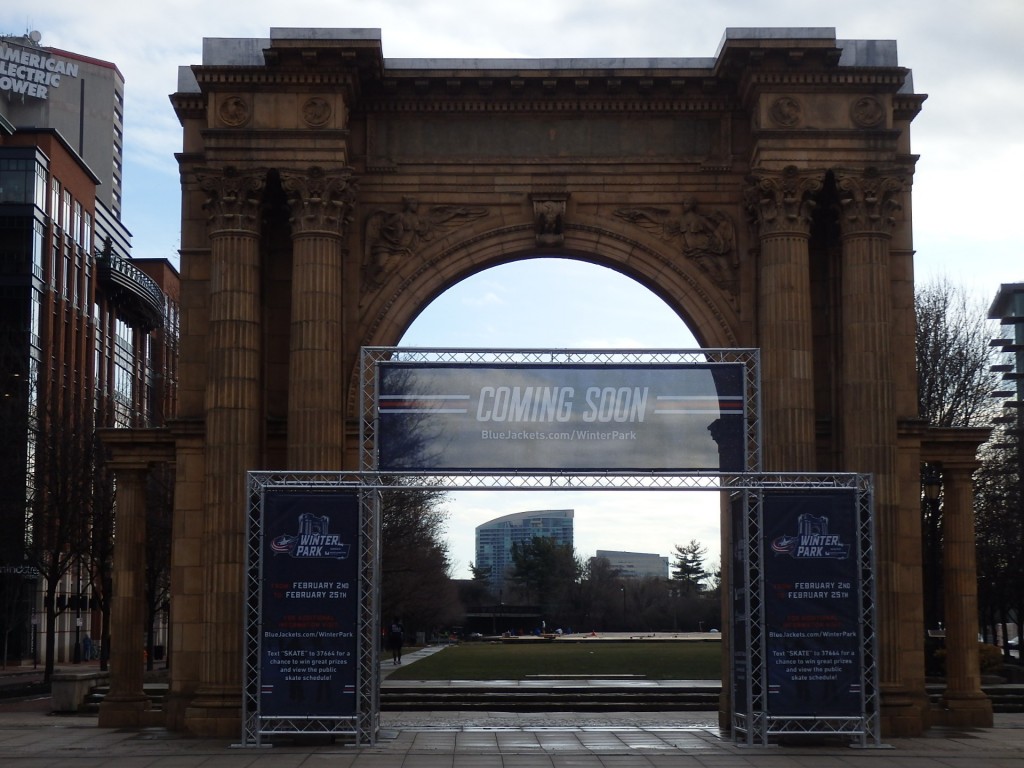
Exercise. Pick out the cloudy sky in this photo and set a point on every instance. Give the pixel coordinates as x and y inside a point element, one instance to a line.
<point>965,56</point>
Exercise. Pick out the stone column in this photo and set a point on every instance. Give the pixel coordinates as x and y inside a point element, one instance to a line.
<point>233,439</point>
<point>868,202</point>
<point>965,703</point>
<point>321,204</point>
<point>123,706</point>
<point>782,205</point>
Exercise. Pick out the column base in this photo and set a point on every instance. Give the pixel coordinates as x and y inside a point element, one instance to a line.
<point>901,717</point>
<point>964,710</point>
<point>215,715</point>
<point>126,712</point>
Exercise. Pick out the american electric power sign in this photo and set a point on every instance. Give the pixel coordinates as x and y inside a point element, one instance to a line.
<point>512,417</point>
<point>32,72</point>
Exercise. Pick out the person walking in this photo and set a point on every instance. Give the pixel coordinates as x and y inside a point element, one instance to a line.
<point>395,640</point>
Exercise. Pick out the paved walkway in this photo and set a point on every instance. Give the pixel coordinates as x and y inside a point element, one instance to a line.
<point>30,737</point>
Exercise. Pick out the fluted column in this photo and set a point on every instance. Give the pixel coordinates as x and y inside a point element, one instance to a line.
<point>869,201</point>
<point>232,439</point>
<point>781,206</point>
<point>964,700</point>
<point>320,207</point>
<point>123,706</point>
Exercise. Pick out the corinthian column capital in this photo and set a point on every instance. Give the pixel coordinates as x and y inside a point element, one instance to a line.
<point>320,200</point>
<point>781,203</point>
<point>869,200</point>
<point>233,197</point>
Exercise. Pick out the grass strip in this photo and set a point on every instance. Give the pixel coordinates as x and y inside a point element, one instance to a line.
<point>520,661</point>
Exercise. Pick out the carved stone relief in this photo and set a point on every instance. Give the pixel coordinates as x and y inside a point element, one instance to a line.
<point>549,213</point>
<point>390,237</point>
<point>234,111</point>
<point>706,238</point>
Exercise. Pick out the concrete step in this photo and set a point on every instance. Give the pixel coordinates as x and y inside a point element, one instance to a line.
<point>578,699</point>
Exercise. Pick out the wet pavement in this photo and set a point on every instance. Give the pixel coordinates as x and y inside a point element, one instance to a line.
<point>32,737</point>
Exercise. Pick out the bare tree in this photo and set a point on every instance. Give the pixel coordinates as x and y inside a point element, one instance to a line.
<point>955,384</point>
<point>954,379</point>
<point>415,580</point>
<point>61,508</point>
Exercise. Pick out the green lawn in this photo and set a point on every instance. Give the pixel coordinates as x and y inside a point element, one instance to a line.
<point>517,661</point>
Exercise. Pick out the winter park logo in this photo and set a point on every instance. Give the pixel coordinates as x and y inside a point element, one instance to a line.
<point>312,540</point>
<point>812,541</point>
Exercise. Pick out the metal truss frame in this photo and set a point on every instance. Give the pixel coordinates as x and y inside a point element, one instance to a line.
<point>365,724</point>
<point>371,356</point>
<point>753,723</point>
<point>751,718</point>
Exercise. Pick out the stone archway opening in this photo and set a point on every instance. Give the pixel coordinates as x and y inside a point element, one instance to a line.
<point>560,303</point>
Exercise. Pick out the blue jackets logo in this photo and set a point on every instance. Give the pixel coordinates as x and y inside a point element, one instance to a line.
<point>312,541</point>
<point>811,541</point>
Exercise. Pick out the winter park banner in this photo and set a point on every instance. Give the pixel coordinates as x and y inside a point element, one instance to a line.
<point>812,605</point>
<point>309,604</point>
<point>523,417</point>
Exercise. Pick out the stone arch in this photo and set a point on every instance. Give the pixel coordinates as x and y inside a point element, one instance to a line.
<point>600,160</point>
<point>705,307</point>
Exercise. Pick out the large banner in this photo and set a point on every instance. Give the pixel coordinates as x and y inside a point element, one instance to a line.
<point>812,604</point>
<point>310,603</point>
<point>531,417</point>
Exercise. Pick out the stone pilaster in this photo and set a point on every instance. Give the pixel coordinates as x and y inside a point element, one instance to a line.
<point>781,206</point>
<point>233,439</point>
<point>868,201</point>
<point>124,705</point>
<point>965,705</point>
<point>321,205</point>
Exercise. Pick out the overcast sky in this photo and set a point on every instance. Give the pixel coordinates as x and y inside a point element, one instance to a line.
<point>965,56</point>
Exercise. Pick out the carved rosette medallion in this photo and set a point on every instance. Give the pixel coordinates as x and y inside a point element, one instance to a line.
<point>786,112</point>
<point>867,112</point>
<point>316,112</point>
<point>233,198</point>
<point>782,202</point>
<point>234,111</point>
<point>320,200</point>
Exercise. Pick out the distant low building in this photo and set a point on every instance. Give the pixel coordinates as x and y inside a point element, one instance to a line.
<point>635,565</point>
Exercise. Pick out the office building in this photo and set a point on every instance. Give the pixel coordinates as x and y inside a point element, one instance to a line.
<point>494,539</point>
<point>87,336</point>
<point>636,565</point>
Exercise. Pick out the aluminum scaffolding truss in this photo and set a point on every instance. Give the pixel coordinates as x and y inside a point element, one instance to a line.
<point>364,724</point>
<point>752,719</point>
<point>749,359</point>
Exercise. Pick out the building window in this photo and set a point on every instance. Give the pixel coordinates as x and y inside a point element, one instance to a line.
<point>55,202</point>
<point>40,187</point>
<point>17,175</point>
<point>66,209</point>
<point>37,249</point>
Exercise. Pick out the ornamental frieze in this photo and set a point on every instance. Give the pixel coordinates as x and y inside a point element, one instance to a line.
<point>392,237</point>
<point>706,238</point>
